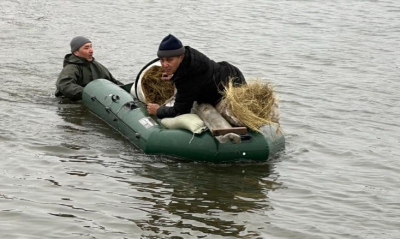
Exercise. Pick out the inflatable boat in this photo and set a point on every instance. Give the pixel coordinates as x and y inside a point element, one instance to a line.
<point>122,109</point>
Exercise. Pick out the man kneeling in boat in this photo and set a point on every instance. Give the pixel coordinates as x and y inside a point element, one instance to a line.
<point>196,77</point>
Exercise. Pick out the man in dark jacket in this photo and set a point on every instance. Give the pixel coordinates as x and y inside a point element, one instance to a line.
<point>196,77</point>
<point>79,69</point>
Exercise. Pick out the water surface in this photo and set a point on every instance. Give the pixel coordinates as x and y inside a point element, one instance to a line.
<point>335,65</point>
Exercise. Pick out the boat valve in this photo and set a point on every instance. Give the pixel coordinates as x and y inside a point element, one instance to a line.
<point>115,98</point>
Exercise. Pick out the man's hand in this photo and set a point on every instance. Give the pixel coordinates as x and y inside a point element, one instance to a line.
<point>152,108</point>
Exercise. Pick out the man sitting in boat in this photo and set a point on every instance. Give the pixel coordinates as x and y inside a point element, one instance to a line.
<point>196,77</point>
<point>79,69</point>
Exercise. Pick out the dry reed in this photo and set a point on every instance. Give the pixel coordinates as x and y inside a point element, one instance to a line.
<point>154,89</point>
<point>254,104</point>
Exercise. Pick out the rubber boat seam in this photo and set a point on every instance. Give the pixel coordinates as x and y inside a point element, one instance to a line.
<point>116,115</point>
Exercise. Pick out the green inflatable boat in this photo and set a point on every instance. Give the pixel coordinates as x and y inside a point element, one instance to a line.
<point>121,108</point>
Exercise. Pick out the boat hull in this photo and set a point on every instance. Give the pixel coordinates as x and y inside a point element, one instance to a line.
<point>122,111</point>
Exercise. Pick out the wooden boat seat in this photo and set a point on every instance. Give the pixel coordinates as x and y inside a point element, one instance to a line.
<point>235,130</point>
<point>215,122</point>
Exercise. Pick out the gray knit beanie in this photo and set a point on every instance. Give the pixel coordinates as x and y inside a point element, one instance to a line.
<point>77,42</point>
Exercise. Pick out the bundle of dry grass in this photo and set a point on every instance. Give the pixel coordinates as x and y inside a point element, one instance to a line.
<point>154,89</point>
<point>253,105</point>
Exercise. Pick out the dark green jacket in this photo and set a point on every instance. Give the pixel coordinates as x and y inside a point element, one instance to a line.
<point>200,79</point>
<point>77,73</point>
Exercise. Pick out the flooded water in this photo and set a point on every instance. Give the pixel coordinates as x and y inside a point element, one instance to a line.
<point>335,65</point>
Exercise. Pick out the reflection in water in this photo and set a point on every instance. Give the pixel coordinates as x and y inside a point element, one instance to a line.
<point>85,130</point>
<point>72,112</point>
<point>204,198</point>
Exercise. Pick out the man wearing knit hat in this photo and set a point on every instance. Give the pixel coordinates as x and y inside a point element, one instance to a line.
<point>79,69</point>
<point>196,77</point>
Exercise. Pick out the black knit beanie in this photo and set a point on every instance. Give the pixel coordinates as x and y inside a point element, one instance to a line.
<point>170,46</point>
<point>77,42</point>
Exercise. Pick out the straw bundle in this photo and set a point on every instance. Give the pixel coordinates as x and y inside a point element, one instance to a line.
<point>253,105</point>
<point>154,89</point>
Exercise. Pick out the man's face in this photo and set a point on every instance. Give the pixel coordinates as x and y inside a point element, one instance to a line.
<point>170,64</point>
<point>85,51</point>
